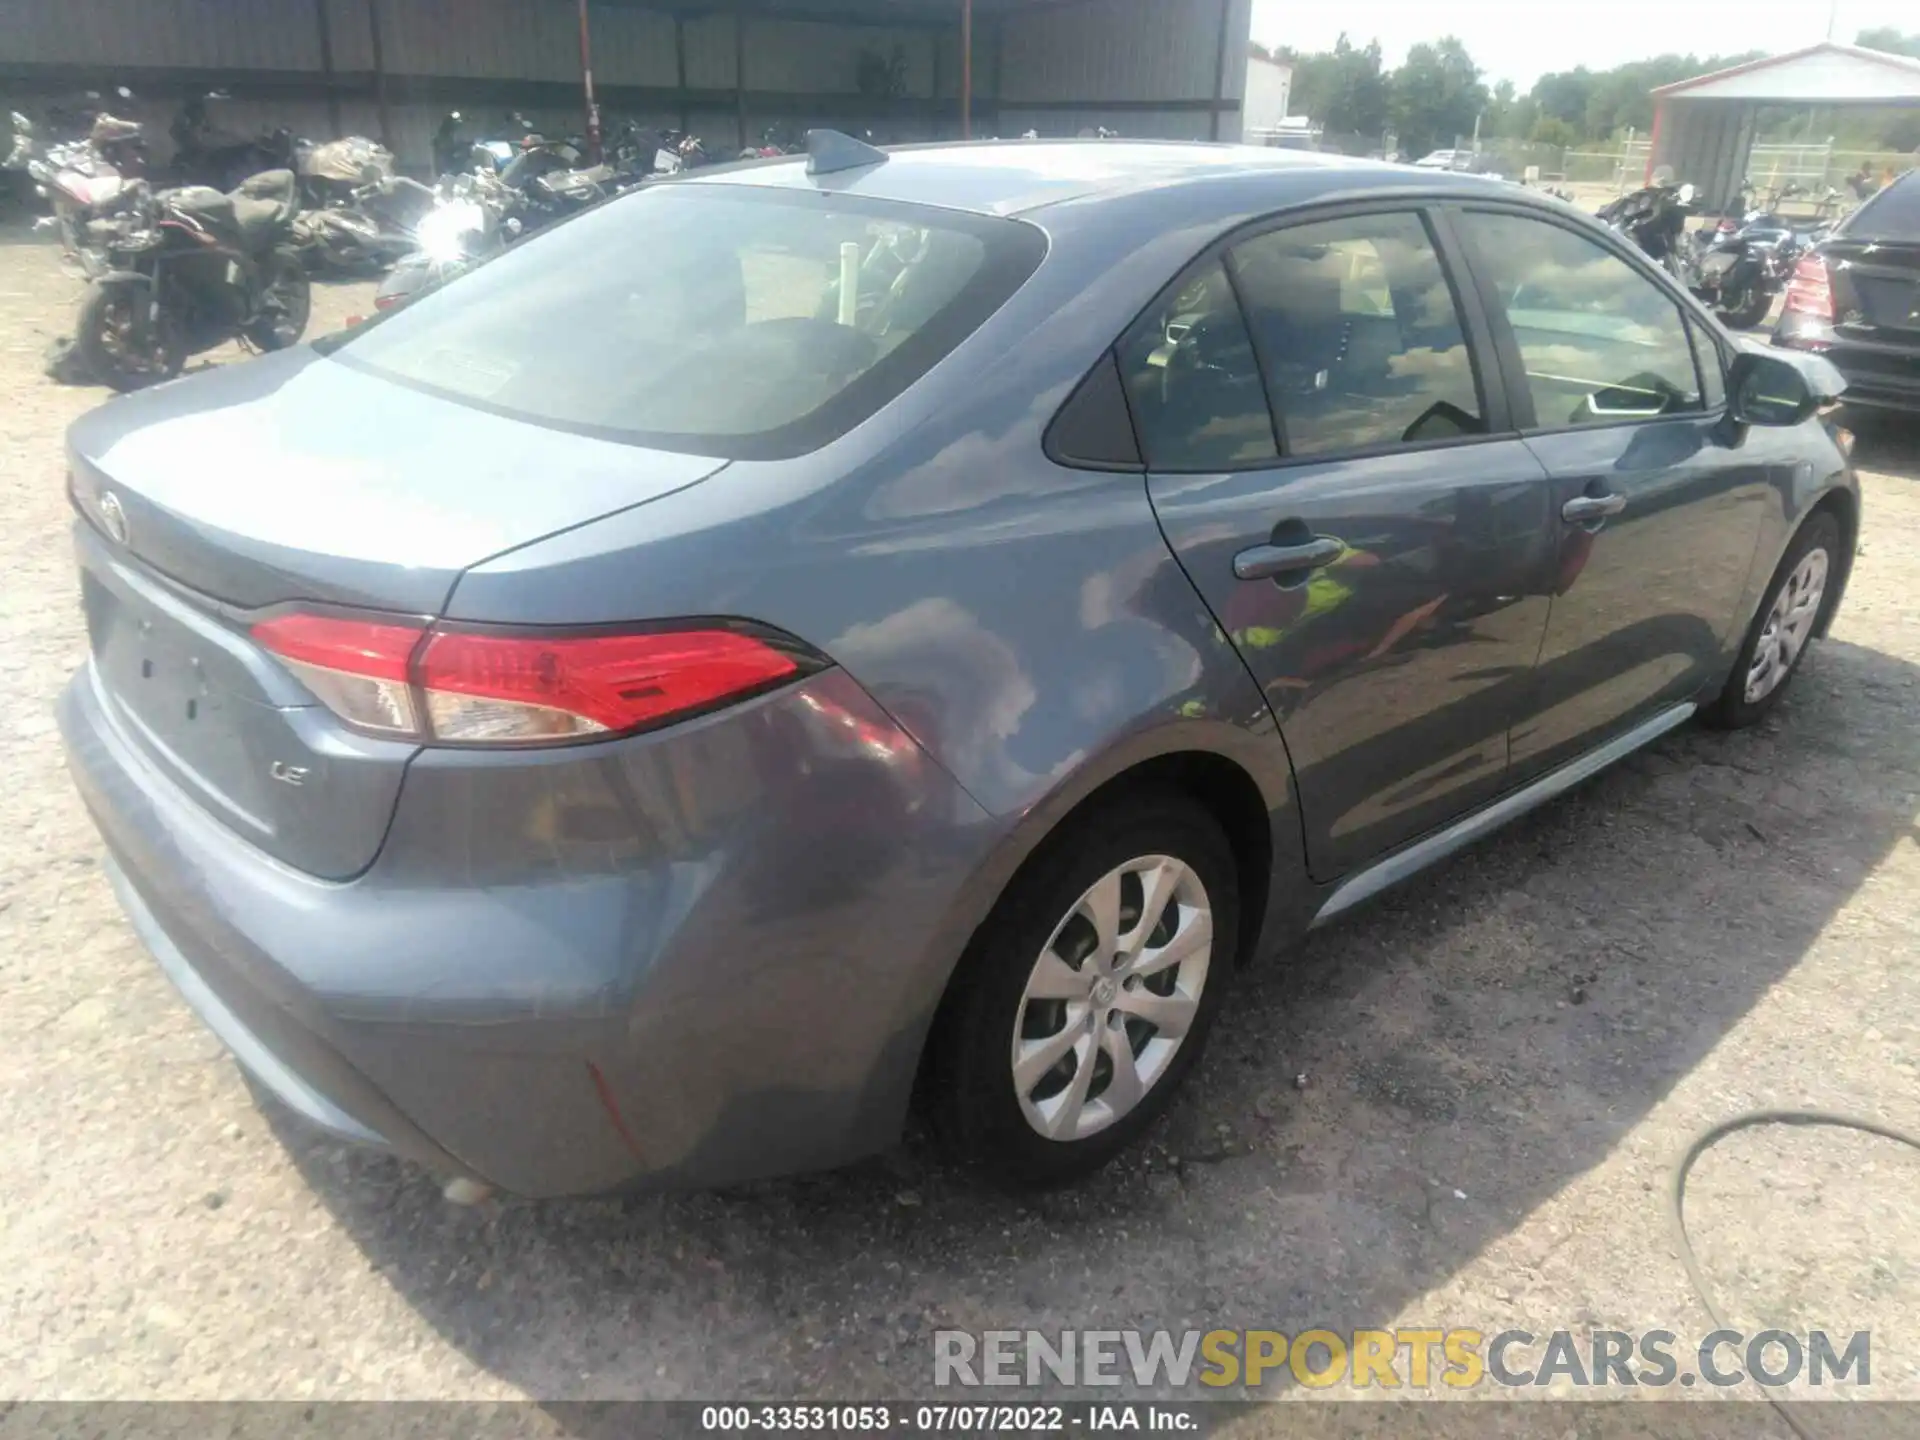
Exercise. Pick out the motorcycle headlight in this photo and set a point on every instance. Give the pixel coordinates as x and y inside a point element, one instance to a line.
<point>443,232</point>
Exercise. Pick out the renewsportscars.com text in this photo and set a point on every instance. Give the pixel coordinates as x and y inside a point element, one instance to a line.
<point>1415,1359</point>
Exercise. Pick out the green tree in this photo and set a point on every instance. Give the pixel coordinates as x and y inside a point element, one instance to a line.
<point>1565,95</point>
<point>1342,88</point>
<point>1552,130</point>
<point>1895,42</point>
<point>1435,96</point>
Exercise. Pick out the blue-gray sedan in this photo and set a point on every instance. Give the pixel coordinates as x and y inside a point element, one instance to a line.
<point>826,632</point>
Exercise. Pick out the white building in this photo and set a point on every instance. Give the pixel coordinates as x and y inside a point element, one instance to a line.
<point>1269,91</point>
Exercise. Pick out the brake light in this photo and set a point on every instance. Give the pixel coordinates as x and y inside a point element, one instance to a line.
<point>1810,292</point>
<point>518,687</point>
<point>1726,226</point>
<point>356,668</point>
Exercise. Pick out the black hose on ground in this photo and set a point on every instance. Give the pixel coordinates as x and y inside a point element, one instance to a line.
<point>1705,1141</point>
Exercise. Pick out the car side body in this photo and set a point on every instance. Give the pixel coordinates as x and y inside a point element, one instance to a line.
<point>715,951</point>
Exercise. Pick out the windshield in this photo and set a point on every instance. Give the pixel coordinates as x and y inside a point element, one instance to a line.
<point>713,319</point>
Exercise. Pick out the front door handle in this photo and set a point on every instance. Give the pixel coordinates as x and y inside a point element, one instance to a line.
<point>1265,562</point>
<point>1586,509</point>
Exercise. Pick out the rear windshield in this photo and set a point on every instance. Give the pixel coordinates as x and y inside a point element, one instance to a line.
<point>750,323</point>
<point>1893,214</point>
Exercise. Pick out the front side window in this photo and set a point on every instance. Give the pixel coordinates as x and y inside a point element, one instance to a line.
<point>712,319</point>
<point>1358,334</point>
<point>1601,343</point>
<point>1713,373</point>
<point>1192,381</point>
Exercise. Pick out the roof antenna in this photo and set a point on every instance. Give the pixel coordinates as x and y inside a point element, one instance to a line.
<point>829,151</point>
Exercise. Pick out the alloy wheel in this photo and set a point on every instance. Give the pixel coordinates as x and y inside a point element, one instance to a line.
<point>1789,622</point>
<point>1111,997</point>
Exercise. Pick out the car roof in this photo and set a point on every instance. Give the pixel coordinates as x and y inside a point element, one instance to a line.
<point>1016,177</point>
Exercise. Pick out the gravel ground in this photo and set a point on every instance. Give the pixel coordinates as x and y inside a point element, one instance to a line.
<point>1500,1064</point>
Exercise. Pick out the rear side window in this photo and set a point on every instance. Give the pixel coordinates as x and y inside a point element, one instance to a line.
<point>1601,343</point>
<point>1192,381</point>
<point>713,319</point>
<point>1358,335</point>
<point>1893,214</point>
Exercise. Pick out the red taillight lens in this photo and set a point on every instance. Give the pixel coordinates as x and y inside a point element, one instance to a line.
<point>483,688</point>
<point>519,687</point>
<point>357,668</point>
<point>1810,292</point>
<point>1727,227</point>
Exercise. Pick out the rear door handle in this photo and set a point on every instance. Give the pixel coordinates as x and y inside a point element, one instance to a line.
<point>1263,562</point>
<point>1585,509</point>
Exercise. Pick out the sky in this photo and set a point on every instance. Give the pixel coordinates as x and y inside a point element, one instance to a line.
<point>1521,40</point>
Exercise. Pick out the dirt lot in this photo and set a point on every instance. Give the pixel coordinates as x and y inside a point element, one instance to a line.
<point>1500,1063</point>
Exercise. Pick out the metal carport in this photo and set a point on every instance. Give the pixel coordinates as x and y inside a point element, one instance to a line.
<point>724,68</point>
<point>1703,128</point>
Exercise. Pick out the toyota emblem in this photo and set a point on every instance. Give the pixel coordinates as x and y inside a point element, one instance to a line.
<point>113,517</point>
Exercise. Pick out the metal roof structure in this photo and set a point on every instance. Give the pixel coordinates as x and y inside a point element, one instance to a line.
<point>1703,128</point>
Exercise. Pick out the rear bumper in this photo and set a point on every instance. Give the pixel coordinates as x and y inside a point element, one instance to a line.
<point>695,957</point>
<point>1885,377</point>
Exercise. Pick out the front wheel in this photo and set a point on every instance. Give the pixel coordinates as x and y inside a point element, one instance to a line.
<point>119,340</point>
<point>1085,998</point>
<point>1777,640</point>
<point>286,299</point>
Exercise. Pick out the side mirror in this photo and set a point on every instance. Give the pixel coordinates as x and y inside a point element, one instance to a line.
<point>1767,390</point>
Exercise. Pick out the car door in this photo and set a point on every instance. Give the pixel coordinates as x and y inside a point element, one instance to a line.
<point>1332,462</point>
<point>1657,500</point>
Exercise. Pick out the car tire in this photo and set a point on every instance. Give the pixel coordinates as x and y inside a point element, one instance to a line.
<point>1789,615</point>
<point>1038,976</point>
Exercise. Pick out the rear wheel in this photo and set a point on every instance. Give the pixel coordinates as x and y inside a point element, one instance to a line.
<point>1747,308</point>
<point>1777,640</point>
<point>1086,997</point>
<point>120,343</point>
<point>286,300</point>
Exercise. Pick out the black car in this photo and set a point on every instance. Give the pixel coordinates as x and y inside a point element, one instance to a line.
<point>1856,299</point>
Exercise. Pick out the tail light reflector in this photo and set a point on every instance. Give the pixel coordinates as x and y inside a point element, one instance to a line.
<point>1810,292</point>
<point>506,687</point>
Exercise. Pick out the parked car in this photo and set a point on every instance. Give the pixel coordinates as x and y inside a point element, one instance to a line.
<point>861,627</point>
<point>1856,299</point>
<point>1446,160</point>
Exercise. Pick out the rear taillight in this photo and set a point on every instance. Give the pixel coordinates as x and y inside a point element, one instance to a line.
<point>1727,227</point>
<point>520,687</point>
<point>359,669</point>
<point>1810,292</point>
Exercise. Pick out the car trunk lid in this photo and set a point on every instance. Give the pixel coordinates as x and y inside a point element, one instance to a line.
<point>296,482</point>
<point>1876,288</point>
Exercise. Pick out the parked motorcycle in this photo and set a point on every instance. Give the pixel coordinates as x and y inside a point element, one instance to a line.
<point>203,154</point>
<point>357,214</point>
<point>475,216</point>
<point>187,269</point>
<point>478,214</point>
<point>1740,266</point>
<point>773,142</point>
<point>1655,219</point>
<point>82,180</point>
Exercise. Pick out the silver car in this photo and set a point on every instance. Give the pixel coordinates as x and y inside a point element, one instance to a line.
<point>832,632</point>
